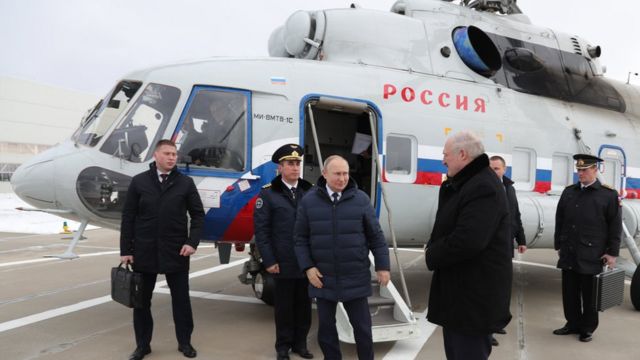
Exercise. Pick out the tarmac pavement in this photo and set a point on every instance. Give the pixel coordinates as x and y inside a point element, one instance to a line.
<point>61,309</point>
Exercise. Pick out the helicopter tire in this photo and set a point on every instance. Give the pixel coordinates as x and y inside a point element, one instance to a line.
<point>264,287</point>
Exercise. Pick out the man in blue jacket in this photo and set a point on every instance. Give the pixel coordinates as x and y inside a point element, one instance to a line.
<point>274,218</point>
<point>336,226</point>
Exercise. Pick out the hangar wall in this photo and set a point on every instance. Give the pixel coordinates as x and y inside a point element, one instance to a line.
<point>34,117</point>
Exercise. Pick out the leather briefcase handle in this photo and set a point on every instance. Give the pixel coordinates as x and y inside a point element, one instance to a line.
<point>127,266</point>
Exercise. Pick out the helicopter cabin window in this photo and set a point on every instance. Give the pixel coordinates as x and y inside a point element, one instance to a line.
<point>213,133</point>
<point>523,169</point>
<point>144,124</point>
<point>401,158</point>
<point>562,171</point>
<point>99,119</point>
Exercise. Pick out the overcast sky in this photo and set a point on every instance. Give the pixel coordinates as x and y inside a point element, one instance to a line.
<point>89,44</point>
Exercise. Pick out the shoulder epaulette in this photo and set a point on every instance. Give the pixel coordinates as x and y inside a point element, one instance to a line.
<point>266,186</point>
<point>608,187</point>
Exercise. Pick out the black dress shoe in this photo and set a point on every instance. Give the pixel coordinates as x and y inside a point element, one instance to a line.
<point>586,336</point>
<point>565,330</point>
<point>283,355</point>
<point>501,331</point>
<point>188,350</point>
<point>303,353</point>
<point>494,341</point>
<point>139,353</point>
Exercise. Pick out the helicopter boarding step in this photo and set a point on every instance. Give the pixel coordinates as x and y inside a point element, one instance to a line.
<point>391,318</point>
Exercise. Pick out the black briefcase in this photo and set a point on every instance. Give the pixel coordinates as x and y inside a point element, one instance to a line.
<point>608,288</point>
<point>126,286</point>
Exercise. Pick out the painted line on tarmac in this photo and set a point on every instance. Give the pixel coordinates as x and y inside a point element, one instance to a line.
<point>626,281</point>
<point>45,315</point>
<point>39,260</point>
<point>212,296</point>
<point>520,284</point>
<point>409,348</point>
<point>11,238</point>
<point>33,261</point>
<point>410,250</point>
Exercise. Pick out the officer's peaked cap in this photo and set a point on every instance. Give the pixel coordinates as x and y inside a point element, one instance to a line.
<point>585,161</point>
<point>287,152</point>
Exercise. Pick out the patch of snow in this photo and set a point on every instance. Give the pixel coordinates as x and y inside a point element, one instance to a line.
<point>30,222</point>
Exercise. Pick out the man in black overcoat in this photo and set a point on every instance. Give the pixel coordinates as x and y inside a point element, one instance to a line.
<point>274,218</point>
<point>588,233</point>
<point>469,252</point>
<point>157,237</point>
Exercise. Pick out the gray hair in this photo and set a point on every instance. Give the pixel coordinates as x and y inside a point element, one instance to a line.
<point>331,158</point>
<point>469,142</point>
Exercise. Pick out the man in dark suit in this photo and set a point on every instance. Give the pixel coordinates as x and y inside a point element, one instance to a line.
<point>274,218</point>
<point>588,233</point>
<point>499,166</point>
<point>469,252</point>
<point>156,238</point>
<point>336,226</point>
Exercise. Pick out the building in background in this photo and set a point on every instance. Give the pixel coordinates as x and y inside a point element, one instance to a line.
<point>34,117</point>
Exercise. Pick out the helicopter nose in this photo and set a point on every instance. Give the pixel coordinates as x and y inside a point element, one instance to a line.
<point>33,183</point>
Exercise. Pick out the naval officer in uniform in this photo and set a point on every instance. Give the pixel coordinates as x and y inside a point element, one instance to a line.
<point>274,219</point>
<point>587,235</point>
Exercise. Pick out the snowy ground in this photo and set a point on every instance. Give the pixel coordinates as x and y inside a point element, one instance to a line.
<point>31,222</point>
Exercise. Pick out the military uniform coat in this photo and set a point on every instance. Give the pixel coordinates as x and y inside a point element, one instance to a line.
<point>588,225</point>
<point>336,238</point>
<point>274,218</point>
<point>470,251</point>
<point>155,225</point>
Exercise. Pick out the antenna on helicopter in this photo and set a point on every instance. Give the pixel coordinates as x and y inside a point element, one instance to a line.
<point>508,7</point>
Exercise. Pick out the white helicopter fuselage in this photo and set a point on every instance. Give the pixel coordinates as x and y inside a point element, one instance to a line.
<point>399,69</point>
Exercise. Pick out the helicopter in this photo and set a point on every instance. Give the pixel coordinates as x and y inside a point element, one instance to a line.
<point>383,90</point>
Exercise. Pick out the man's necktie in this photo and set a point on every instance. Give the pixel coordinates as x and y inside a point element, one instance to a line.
<point>293,192</point>
<point>164,178</point>
<point>335,197</point>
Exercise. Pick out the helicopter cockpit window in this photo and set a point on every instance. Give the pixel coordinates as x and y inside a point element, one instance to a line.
<point>214,131</point>
<point>144,124</point>
<point>94,126</point>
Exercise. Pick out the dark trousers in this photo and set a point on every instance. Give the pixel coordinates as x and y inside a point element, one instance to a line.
<point>459,346</point>
<point>577,300</point>
<point>360,319</point>
<point>292,309</point>
<point>180,303</point>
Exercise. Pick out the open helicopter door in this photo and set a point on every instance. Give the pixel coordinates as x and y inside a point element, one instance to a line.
<point>340,127</point>
<point>343,127</point>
